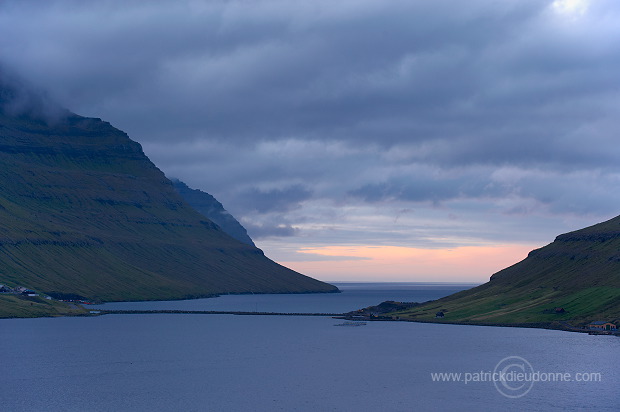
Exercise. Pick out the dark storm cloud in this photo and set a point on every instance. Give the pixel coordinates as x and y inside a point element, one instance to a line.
<point>273,200</point>
<point>18,98</point>
<point>271,229</point>
<point>283,109</point>
<point>270,69</point>
<point>427,190</point>
<point>410,72</point>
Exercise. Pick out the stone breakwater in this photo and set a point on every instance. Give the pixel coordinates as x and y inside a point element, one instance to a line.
<point>207,312</point>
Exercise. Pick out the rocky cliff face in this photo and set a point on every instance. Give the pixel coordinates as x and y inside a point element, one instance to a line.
<point>83,211</point>
<point>208,206</point>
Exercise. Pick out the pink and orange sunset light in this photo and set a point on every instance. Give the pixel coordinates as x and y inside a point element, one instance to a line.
<point>397,263</point>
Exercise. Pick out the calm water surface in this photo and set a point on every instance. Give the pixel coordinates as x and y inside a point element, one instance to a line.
<point>354,296</point>
<point>264,363</point>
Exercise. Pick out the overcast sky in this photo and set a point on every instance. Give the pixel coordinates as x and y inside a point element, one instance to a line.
<point>396,140</point>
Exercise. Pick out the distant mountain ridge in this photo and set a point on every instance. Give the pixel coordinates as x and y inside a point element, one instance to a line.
<point>208,206</point>
<point>84,212</point>
<point>576,278</point>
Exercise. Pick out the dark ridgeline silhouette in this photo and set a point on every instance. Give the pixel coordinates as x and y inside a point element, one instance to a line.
<point>208,206</point>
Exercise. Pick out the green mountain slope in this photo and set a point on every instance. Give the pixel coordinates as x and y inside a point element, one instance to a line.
<point>83,211</point>
<point>17,306</point>
<point>576,278</point>
<point>208,206</point>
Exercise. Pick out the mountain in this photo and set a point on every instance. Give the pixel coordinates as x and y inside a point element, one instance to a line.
<point>575,279</point>
<point>208,206</point>
<point>84,213</point>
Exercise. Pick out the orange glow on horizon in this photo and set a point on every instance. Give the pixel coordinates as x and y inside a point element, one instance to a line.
<point>397,263</point>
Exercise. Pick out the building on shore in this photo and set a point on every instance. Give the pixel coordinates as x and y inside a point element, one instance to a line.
<point>602,325</point>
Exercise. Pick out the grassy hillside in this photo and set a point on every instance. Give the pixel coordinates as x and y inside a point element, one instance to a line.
<point>576,278</point>
<point>83,211</point>
<point>16,306</point>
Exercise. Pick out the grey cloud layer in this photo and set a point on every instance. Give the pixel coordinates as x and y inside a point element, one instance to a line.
<point>284,109</point>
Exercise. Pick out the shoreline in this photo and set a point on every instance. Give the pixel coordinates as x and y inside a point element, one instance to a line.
<point>532,325</point>
<point>340,316</point>
<point>81,306</point>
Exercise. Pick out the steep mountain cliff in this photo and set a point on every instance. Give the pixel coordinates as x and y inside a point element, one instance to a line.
<point>576,278</point>
<point>208,206</point>
<point>84,212</point>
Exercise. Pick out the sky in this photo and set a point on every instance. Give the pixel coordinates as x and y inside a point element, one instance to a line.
<point>355,139</point>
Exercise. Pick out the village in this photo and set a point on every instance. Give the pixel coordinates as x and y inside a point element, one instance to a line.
<point>27,292</point>
<point>19,290</point>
